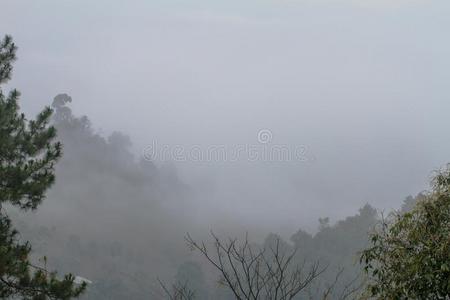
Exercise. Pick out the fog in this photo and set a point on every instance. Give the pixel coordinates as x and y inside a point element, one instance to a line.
<point>360,88</point>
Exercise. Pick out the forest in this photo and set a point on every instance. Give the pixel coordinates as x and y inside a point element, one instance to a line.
<point>184,205</point>
<point>94,178</point>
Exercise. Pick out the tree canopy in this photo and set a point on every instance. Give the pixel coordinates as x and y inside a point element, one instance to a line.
<point>409,257</point>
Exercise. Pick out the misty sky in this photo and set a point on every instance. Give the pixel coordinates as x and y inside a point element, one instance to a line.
<point>363,84</point>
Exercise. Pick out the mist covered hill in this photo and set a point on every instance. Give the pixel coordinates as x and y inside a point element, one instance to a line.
<point>119,221</point>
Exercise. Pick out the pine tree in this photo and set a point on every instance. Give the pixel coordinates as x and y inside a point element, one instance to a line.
<point>28,152</point>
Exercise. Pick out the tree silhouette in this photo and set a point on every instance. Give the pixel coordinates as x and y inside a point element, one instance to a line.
<point>252,272</point>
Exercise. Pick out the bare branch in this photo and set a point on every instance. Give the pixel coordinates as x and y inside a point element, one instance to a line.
<point>253,273</point>
<point>179,291</point>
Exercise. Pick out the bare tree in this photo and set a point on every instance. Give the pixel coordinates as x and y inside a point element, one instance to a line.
<point>178,291</point>
<point>252,272</point>
<point>329,290</point>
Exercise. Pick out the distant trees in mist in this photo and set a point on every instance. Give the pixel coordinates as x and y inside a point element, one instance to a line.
<point>272,272</point>
<point>128,206</point>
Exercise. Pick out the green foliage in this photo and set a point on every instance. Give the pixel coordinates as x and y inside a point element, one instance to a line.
<point>409,257</point>
<point>27,157</point>
<point>17,279</point>
<point>27,150</point>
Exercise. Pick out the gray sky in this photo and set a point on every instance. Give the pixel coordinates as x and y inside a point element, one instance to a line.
<point>363,84</point>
